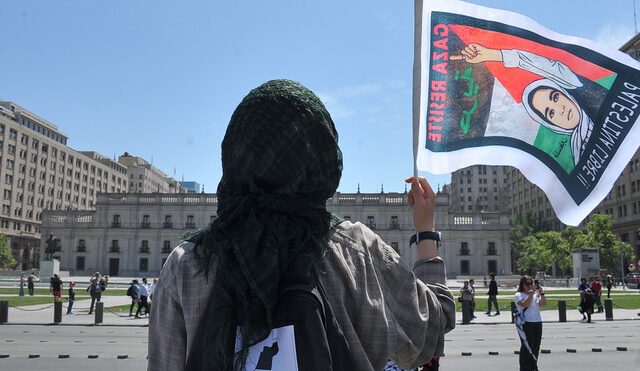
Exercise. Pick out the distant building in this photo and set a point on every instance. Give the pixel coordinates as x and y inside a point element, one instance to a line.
<point>191,187</point>
<point>146,178</point>
<point>479,188</point>
<point>38,172</point>
<point>132,234</point>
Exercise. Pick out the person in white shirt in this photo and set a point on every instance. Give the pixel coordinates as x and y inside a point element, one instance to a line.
<point>144,294</point>
<point>528,301</point>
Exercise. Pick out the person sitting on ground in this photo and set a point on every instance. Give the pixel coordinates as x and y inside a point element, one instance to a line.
<point>280,163</point>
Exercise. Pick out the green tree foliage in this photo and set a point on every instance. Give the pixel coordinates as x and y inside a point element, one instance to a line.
<point>600,236</point>
<point>534,256</point>
<point>523,226</point>
<point>544,251</point>
<point>7,261</point>
<point>559,249</point>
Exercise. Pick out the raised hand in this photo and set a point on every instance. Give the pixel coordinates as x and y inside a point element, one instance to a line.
<point>476,53</point>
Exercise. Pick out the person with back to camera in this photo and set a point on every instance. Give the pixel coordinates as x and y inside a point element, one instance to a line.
<point>529,299</point>
<point>281,162</point>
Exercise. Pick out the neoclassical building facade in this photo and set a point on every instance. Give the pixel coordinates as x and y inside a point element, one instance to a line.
<point>132,234</point>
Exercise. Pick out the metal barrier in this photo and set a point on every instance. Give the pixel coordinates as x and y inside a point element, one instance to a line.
<point>99,313</point>
<point>562,311</point>
<point>608,309</point>
<point>57,312</point>
<point>4,312</point>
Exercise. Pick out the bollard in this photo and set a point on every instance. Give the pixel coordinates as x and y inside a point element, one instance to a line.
<point>608,309</point>
<point>466,312</point>
<point>562,311</point>
<point>99,312</point>
<point>513,312</point>
<point>4,312</point>
<point>57,312</point>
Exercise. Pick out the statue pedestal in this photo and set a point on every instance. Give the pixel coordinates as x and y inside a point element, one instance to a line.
<point>48,268</point>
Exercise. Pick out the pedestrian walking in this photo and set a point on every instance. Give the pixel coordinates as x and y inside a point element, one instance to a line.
<point>582,289</point>
<point>134,293</point>
<point>95,288</point>
<point>493,295</point>
<point>72,296</point>
<point>23,280</point>
<point>596,287</point>
<point>608,284</point>
<point>528,301</point>
<point>143,290</point>
<point>31,283</point>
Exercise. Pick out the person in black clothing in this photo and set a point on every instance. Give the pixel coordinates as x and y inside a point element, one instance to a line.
<point>608,284</point>
<point>55,287</point>
<point>72,296</point>
<point>134,293</point>
<point>493,293</point>
<point>31,283</point>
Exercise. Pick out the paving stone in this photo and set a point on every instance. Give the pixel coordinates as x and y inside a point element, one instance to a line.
<point>596,349</point>
<point>621,349</point>
<point>569,350</point>
<point>545,351</point>
<point>493,353</point>
<point>123,356</point>
<point>92,356</point>
<point>63,356</point>
<point>34,355</point>
<point>4,356</point>
<point>466,354</point>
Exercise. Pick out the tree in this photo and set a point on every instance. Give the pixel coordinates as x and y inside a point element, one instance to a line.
<point>534,255</point>
<point>559,249</point>
<point>7,261</point>
<point>522,226</point>
<point>600,236</point>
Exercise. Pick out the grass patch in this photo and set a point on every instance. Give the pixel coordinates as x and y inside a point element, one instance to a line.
<point>625,301</point>
<point>79,290</point>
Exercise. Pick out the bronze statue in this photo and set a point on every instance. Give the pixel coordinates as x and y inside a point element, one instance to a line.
<point>52,244</point>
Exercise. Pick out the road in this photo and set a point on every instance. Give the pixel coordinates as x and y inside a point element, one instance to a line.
<point>582,338</point>
<point>109,342</point>
<point>76,342</point>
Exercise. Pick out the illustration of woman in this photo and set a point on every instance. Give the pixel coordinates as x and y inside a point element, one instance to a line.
<point>547,100</point>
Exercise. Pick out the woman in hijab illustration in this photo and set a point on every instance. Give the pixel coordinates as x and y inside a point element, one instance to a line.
<point>546,100</point>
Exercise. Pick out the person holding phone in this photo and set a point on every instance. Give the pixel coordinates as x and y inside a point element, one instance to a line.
<point>529,298</point>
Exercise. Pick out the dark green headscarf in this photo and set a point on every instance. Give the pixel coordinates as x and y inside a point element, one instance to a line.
<point>280,162</point>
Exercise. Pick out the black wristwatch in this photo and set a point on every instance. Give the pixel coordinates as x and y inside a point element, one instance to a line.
<point>428,235</point>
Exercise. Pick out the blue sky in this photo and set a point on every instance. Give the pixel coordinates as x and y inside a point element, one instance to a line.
<point>160,79</point>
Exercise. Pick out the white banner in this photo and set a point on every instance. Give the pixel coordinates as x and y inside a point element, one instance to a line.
<point>494,87</point>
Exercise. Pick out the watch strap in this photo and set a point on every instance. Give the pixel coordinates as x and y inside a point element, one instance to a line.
<point>427,235</point>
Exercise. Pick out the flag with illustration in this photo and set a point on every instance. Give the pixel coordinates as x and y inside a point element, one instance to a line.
<point>494,87</point>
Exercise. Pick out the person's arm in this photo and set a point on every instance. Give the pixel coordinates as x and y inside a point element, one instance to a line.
<point>421,310</point>
<point>543,298</point>
<point>527,301</point>
<point>555,71</point>
<point>422,201</point>
<point>167,330</point>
